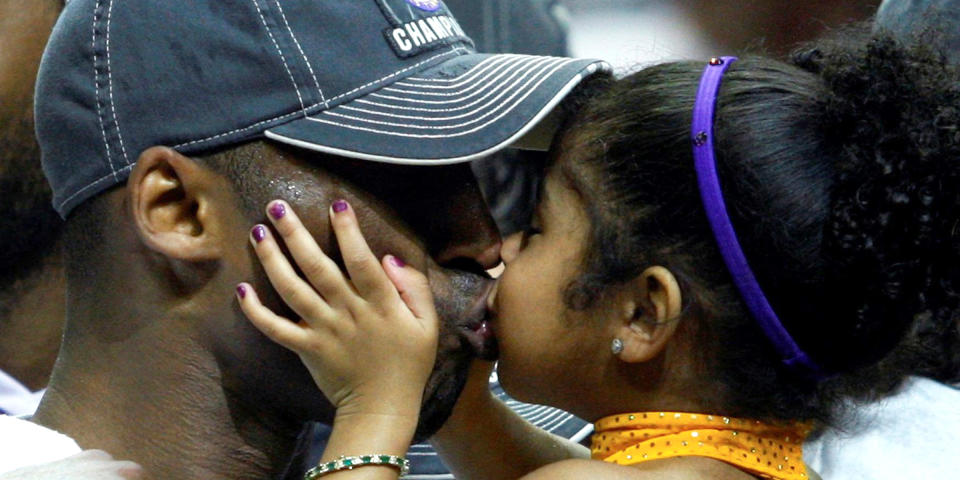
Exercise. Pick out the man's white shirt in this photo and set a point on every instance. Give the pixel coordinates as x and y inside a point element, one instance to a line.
<point>24,443</point>
<point>15,398</point>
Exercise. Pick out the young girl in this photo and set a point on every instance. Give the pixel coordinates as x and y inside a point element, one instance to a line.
<point>722,252</point>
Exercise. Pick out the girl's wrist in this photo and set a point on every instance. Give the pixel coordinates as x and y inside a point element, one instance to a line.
<point>386,403</point>
<point>370,434</point>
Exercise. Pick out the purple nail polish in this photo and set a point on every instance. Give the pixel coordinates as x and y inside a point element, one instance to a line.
<point>242,291</point>
<point>277,210</point>
<point>339,206</point>
<point>398,262</point>
<point>259,233</point>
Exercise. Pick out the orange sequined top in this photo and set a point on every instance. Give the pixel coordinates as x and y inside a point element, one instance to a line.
<point>761,449</point>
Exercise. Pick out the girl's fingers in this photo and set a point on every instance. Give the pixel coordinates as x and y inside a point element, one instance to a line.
<point>322,272</point>
<point>275,327</point>
<point>412,287</point>
<point>365,271</point>
<point>298,294</point>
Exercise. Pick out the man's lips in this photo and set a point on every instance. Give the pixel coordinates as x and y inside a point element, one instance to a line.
<point>475,328</point>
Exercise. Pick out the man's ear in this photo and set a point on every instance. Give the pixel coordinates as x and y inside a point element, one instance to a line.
<point>171,199</point>
<point>649,314</point>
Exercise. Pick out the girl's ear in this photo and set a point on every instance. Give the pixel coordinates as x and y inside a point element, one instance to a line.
<point>650,311</point>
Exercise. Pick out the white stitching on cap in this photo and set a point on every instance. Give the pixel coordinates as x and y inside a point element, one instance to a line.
<point>513,75</point>
<point>504,90</point>
<point>282,59</point>
<point>513,81</point>
<point>465,79</point>
<point>113,106</point>
<point>281,117</point>
<point>91,185</point>
<point>459,134</point>
<point>498,57</point>
<point>463,76</point>
<point>304,55</point>
<point>351,92</point>
<point>96,86</point>
<point>479,84</point>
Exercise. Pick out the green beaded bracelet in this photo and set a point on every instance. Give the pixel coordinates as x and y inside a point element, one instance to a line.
<point>349,463</point>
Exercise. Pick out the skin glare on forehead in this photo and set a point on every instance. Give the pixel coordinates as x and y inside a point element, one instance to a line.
<point>312,182</point>
<point>437,203</point>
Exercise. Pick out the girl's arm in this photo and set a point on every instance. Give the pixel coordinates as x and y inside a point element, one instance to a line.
<point>486,440</point>
<point>369,345</point>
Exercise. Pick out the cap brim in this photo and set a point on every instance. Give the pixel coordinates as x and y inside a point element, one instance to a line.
<point>465,108</point>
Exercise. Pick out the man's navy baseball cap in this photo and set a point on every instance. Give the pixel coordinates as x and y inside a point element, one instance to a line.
<point>384,80</point>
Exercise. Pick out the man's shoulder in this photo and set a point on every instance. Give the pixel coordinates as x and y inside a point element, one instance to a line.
<point>24,443</point>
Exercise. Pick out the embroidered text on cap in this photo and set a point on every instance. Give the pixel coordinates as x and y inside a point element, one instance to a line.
<point>420,25</point>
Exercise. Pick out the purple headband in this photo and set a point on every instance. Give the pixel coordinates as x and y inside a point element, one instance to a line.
<point>713,204</point>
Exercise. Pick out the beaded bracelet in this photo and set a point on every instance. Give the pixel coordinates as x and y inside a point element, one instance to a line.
<point>349,463</point>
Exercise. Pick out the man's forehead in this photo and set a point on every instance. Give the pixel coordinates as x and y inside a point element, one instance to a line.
<point>382,178</point>
<point>313,176</point>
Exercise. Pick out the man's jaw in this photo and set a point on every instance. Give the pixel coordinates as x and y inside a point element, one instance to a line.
<point>462,305</point>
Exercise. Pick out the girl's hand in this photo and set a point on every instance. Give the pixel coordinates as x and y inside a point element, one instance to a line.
<point>369,340</point>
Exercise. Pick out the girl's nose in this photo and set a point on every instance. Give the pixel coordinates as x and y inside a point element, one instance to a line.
<point>511,247</point>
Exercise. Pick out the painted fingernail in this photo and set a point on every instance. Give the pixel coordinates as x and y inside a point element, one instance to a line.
<point>277,210</point>
<point>397,262</point>
<point>242,291</point>
<point>259,233</point>
<point>340,205</point>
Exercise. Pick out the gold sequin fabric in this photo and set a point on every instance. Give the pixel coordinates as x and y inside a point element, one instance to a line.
<point>761,449</point>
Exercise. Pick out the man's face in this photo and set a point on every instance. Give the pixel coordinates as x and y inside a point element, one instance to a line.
<point>432,217</point>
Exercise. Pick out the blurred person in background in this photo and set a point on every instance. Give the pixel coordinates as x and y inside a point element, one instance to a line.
<point>32,284</point>
<point>775,25</point>
<point>911,17</point>
<point>31,266</point>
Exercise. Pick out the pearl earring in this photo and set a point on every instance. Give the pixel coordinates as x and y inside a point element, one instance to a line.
<point>616,346</point>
